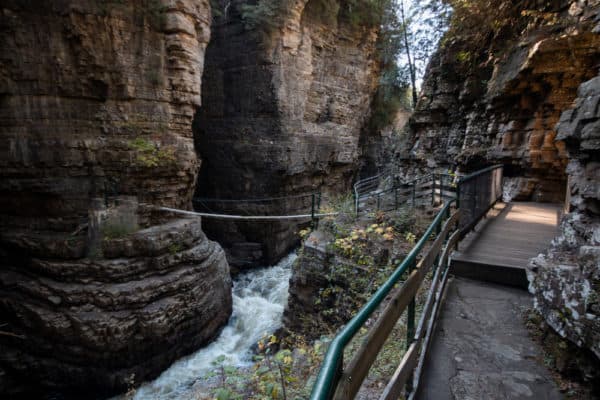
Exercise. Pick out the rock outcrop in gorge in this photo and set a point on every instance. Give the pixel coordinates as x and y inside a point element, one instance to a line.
<point>566,280</point>
<point>284,101</point>
<point>494,95</point>
<point>97,289</point>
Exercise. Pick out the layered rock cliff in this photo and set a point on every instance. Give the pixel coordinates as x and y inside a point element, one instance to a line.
<point>285,95</point>
<point>529,102</point>
<point>97,101</point>
<point>496,99</point>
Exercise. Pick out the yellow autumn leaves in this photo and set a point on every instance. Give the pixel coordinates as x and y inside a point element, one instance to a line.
<point>357,238</point>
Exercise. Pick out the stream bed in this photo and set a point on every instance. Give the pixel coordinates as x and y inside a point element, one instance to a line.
<point>259,297</point>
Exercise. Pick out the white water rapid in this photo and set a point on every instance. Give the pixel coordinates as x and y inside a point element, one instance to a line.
<point>259,297</point>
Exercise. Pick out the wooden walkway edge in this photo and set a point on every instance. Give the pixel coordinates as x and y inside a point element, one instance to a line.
<point>501,245</point>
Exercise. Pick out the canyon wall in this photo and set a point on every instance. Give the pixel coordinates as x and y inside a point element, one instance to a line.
<point>97,290</point>
<point>284,100</point>
<point>531,103</point>
<point>566,280</point>
<point>496,96</point>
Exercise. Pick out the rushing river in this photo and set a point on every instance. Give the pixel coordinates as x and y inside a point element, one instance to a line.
<point>259,297</point>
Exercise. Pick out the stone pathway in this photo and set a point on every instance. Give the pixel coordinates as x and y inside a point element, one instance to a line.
<point>481,348</point>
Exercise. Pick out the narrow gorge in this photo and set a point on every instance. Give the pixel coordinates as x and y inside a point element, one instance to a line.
<point>122,120</point>
<point>525,95</point>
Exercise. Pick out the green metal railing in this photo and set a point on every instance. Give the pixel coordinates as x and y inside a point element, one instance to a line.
<point>331,370</point>
<point>475,195</point>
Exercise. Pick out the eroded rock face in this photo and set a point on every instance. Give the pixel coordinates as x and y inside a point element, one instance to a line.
<point>505,109</point>
<point>566,281</point>
<point>282,115</point>
<point>96,101</point>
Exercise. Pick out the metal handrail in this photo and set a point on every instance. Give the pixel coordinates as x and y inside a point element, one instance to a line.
<point>480,202</point>
<point>479,172</point>
<point>326,382</point>
<point>411,185</point>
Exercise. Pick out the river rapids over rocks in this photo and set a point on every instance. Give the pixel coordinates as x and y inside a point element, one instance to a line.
<point>259,297</point>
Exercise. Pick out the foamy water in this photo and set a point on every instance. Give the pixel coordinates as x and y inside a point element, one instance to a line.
<point>259,297</point>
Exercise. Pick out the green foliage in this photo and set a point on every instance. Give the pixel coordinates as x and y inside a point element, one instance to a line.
<point>367,13</point>
<point>405,43</point>
<point>410,238</point>
<point>325,11</point>
<point>425,23</point>
<point>404,220</point>
<point>149,154</point>
<point>266,15</point>
<point>275,375</point>
<point>343,204</point>
<point>387,101</point>
<point>215,8</point>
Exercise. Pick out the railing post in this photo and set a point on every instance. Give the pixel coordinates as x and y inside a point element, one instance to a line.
<point>318,209</point>
<point>433,190</point>
<point>460,217</point>
<point>339,371</point>
<point>312,210</point>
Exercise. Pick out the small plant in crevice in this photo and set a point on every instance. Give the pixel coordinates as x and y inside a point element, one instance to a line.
<point>149,154</point>
<point>175,248</point>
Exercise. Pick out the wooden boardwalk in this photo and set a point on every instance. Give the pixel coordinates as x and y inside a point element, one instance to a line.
<point>501,245</point>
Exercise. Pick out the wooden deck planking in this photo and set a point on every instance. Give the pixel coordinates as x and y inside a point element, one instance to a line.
<point>508,238</point>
